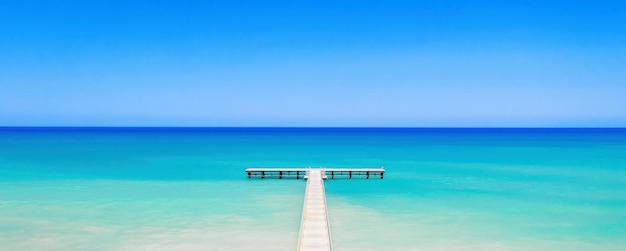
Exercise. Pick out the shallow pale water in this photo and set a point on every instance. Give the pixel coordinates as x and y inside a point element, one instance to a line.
<point>185,189</point>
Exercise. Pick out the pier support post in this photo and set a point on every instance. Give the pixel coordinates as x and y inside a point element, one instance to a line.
<point>280,174</point>
<point>297,175</point>
<point>382,175</point>
<point>332,175</point>
<point>367,175</point>
<point>262,174</point>
<point>350,174</point>
<point>249,175</point>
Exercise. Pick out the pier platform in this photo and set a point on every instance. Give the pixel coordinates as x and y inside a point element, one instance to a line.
<point>327,172</point>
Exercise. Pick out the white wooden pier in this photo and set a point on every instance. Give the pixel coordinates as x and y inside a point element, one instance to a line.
<point>315,225</point>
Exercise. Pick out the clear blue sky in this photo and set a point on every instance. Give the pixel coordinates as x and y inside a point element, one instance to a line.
<point>313,63</point>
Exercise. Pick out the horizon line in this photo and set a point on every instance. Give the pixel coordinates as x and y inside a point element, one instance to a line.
<point>313,127</point>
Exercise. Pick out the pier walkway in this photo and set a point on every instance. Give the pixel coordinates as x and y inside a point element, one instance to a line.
<point>314,228</point>
<point>315,225</point>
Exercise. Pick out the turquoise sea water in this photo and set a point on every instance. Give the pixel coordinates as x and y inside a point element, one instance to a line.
<point>185,189</point>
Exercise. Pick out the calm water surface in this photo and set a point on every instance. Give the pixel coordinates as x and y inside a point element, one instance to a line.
<point>185,189</point>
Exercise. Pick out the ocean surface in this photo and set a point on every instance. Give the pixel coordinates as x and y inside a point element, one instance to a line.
<point>186,189</point>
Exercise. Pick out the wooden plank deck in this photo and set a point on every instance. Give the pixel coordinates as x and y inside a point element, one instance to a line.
<point>315,227</point>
